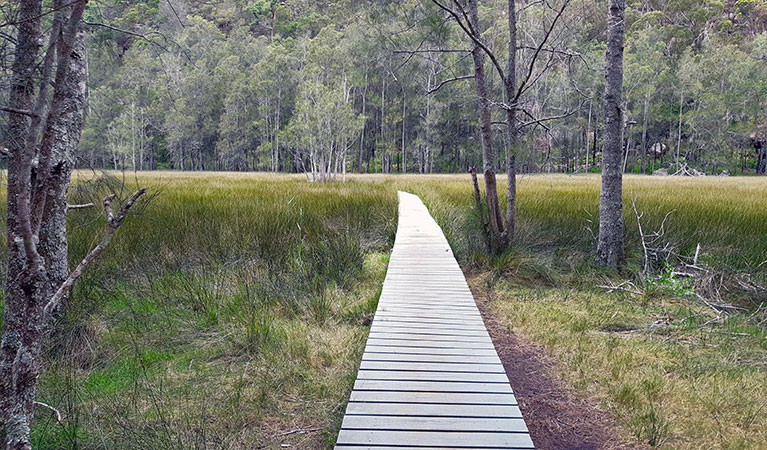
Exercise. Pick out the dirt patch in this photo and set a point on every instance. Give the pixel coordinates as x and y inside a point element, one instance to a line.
<point>556,417</point>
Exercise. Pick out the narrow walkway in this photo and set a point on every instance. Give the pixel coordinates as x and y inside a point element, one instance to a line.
<point>430,377</point>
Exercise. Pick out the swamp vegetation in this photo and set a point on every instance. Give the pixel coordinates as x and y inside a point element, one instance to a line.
<point>234,310</point>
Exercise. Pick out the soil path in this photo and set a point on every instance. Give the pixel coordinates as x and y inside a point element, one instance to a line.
<point>556,417</point>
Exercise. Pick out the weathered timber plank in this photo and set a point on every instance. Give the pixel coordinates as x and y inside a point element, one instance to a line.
<point>433,410</point>
<point>430,377</point>
<point>431,386</point>
<point>433,438</point>
<point>458,398</point>
<point>365,422</point>
<point>407,357</point>
<point>411,375</point>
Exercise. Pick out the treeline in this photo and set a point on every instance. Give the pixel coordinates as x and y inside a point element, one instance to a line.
<point>325,87</point>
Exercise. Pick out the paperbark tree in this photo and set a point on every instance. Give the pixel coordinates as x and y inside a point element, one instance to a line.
<point>43,133</point>
<point>610,251</point>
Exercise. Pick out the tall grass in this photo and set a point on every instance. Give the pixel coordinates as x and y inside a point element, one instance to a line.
<point>228,311</point>
<point>558,213</point>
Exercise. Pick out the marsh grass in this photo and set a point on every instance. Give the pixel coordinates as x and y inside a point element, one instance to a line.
<point>229,311</point>
<point>232,309</point>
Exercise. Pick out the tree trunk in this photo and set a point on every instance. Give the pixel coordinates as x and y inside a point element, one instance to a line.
<point>645,117</point>
<point>588,137</point>
<point>19,175</point>
<point>37,259</point>
<point>679,131</point>
<point>510,84</point>
<point>610,250</point>
<point>486,132</point>
<point>403,163</point>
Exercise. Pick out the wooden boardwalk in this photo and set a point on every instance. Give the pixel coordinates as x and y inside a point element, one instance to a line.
<point>430,377</point>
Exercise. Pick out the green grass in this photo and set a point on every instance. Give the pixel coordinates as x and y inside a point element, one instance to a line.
<point>671,381</point>
<point>232,309</point>
<point>228,312</point>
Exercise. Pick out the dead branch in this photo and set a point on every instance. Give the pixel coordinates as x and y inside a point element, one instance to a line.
<point>23,112</point>
<point>648,240</point>
<point>113,223</point>
<point>631,289</point>
<point>301,431</point>
<point>468,28</point>
<point>450,80</point>
<point>538,50</point>
<point>432,50</point>
<point>54,410</point>
<point>83,206</point>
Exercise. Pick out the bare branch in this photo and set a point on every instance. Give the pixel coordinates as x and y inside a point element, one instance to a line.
<point>113,223</point>
<point>450,80</point>
<point>54,410</point>
<point>538,121</point>
<point>173,8</point>
<point>83,206</point>
<point>130,33</point>
<point>468,29</point>
<point>432,50</point>
<point>23,112</point>
<point>538,50</point>
<point>50,11</point>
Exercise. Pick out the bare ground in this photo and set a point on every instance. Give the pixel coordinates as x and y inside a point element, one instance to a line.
<point>557,418</point>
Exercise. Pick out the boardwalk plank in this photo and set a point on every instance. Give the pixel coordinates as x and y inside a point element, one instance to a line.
<point>432,410</point>
<point>431,386</point>
<point>414,375</point>
<point>430,377</point>
<point>362,422</point>
<point>436,438</point>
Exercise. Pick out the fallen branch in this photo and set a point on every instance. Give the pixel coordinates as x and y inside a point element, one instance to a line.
<point>301,431</point>
<point>632,289</point>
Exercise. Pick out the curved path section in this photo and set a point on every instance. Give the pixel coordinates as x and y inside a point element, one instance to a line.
<point>430,377</point>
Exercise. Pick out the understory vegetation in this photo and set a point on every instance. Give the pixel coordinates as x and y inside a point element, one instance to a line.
<point>232,310</point>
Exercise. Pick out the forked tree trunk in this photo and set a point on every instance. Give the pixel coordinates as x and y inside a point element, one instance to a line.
<point>12,421</point>
<point>610,250</point>
<point>37,253</point>
<point>497,235</point>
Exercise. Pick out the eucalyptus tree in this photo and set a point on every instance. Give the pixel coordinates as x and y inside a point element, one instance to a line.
<point>325,125</point>
<point>610,248</point>
<point>466,15</point>
<point>44,131</point>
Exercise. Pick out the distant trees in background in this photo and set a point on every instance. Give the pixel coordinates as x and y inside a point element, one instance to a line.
<point>242,84</point>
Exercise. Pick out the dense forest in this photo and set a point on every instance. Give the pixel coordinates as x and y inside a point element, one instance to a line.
<point>326,87</point>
